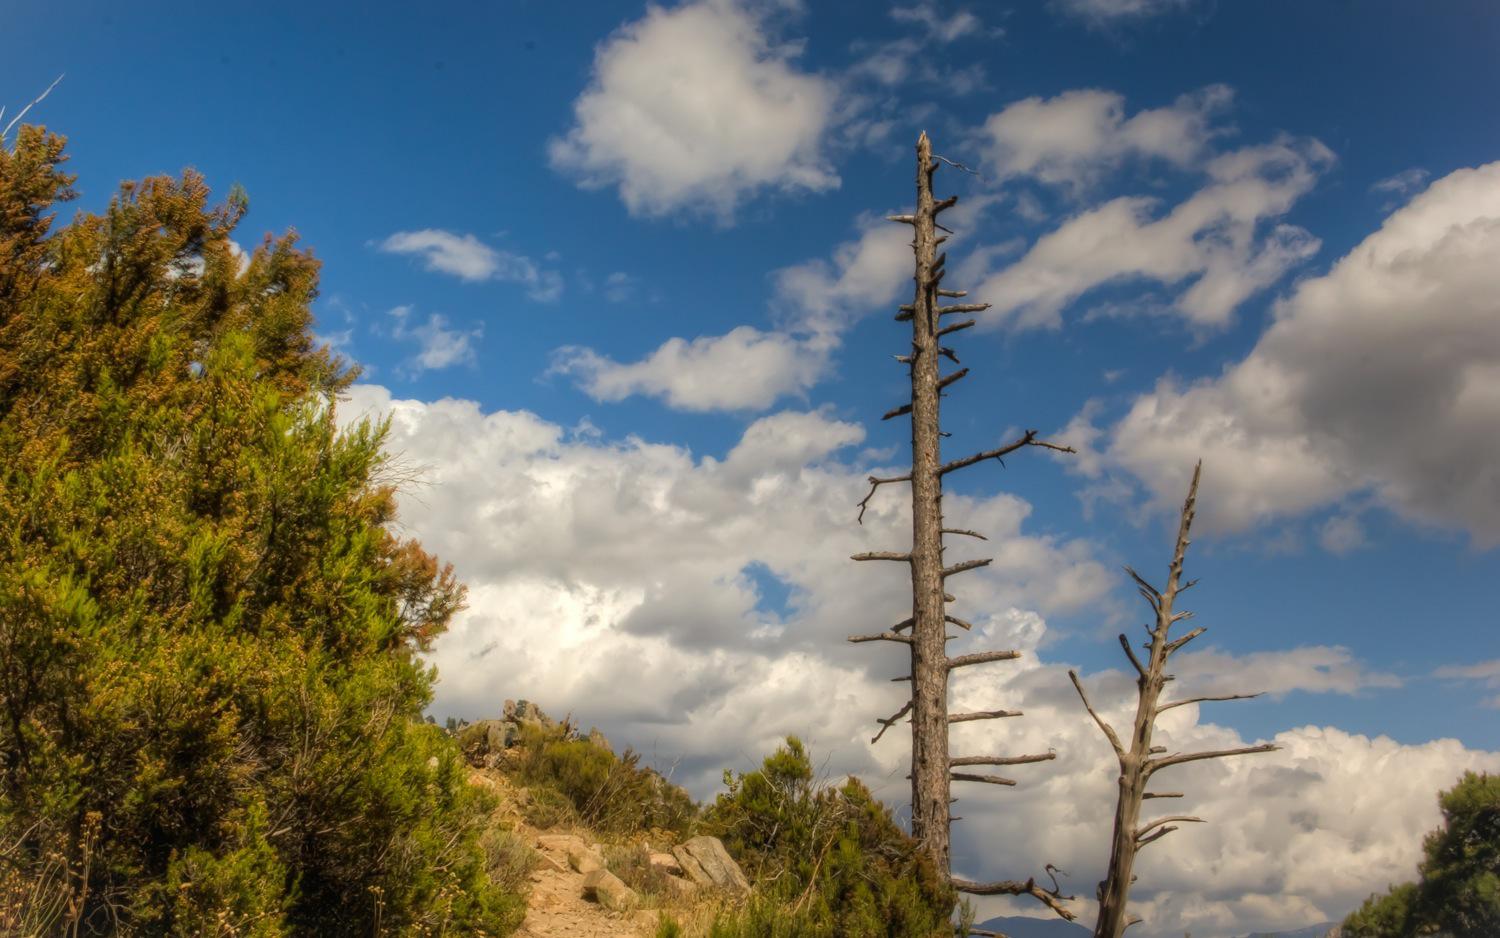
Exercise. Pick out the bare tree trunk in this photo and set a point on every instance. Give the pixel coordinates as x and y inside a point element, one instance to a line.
<point>1141,761</point>
<point>932,766</point>
<point>929,770</point>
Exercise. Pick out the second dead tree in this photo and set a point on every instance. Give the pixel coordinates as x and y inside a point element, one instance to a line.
<point>925,632</point>
<point>1142,759</point>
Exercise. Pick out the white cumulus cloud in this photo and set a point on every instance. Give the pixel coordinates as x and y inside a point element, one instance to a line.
<point>813,303</point>
<point>1110,12</point>
<point>438,345</point>
<point>1216,248</point>
<point>622,581</point>
<point>695,108</point>
<point>1381,376</point>
<point>1074,138</point>
<point>468,258</point>
<point>744,369</point>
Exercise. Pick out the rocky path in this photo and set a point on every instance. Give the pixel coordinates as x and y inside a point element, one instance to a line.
<point>557,907</point>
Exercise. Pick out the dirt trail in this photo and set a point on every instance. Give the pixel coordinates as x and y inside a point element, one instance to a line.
<point>557,909</point>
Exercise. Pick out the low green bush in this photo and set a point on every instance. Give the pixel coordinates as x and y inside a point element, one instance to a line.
<point>611,794</point>
<point>508,860</point>
<point>631,862</point>
<point>826,860</point>
<point>545,808</point>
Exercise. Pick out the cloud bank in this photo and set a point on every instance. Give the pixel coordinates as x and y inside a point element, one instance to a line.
<point>695,607</point>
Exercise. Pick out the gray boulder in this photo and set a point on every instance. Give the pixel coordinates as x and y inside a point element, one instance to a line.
<point>705,861</point>
<point>605,888</point>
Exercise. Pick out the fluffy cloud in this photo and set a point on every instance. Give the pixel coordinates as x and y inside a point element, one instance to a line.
<point>745,369</point>
<point>1403,183</point>
<point>1073,138</point>
<point>1486,673</point>
<point>749,369</point>
<point>918,56</point>
<point>1381,376</point>
<point>438,346</point>
<point>863,275</point>
<point>939,28</point>
<point>468,258</point>
<point>695,108</point>
<point>1110,12</point>
<point>625,581</point>
<point>1212,246</point>
<point>1312,668</point>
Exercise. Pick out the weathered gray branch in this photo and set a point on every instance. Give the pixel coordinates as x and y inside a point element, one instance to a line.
<point>1140,762</point>
<point>1156,765</point>
<point>999,453</point>
<point>1001,760</point>
<point>882,555</point>
<point>875,483</point>
<point>1192,700</point>
<point>986,779</point>
<point>966,566</point>
<point>1052,898</point>
<point>982,715</point>
<point>896,412</point>
<point>1109,731</point>
<point>891,721</point>
<point>981,657</point>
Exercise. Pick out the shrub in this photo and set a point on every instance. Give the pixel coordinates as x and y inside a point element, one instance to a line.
<point>667,927</point>
<point>1387,915</point>
<point>827,861</point>
<point>547,807</point>
<point>508,860</point>
<point>631,862</point>
<point>1458,892</point>
<point>611,794</point>
<point>209,633</point>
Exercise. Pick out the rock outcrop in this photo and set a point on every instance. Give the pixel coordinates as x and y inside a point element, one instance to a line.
<point>605,888</point>
<point>705,861</point>
<point>485,742</point>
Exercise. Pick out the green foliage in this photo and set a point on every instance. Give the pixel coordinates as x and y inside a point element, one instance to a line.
<point>210,695</point>
<point>610,794</point>
<point>667,927</point>
<point>827,861</point>
<point>508,860</point>
<point>1458,892</point>
<point>546,807</point>
<point>1460,884</point>
<point>1388,915</point>
<point>631,862</point>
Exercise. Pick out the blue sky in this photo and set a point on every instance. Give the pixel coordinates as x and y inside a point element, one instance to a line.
<point>648,237</point>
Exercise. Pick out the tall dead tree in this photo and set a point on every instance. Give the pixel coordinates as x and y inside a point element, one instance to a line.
<point>925,632</point>
<point>1142,759</point>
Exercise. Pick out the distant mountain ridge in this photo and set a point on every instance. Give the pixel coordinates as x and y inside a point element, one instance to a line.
<point>1016,926</point>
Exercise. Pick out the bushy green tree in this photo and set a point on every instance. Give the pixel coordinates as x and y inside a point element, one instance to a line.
<point>1458,892</point>
<point>827,860</point>
<point>210,693</point>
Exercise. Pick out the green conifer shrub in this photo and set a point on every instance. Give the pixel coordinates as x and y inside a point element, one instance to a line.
<point>826,860</point>
<point>1458,889</point>
<point>210,695</point>
<point>611,794</point>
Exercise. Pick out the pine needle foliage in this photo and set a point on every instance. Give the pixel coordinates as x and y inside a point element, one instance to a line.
<point>210,693</point>
<point>1458,892</point>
